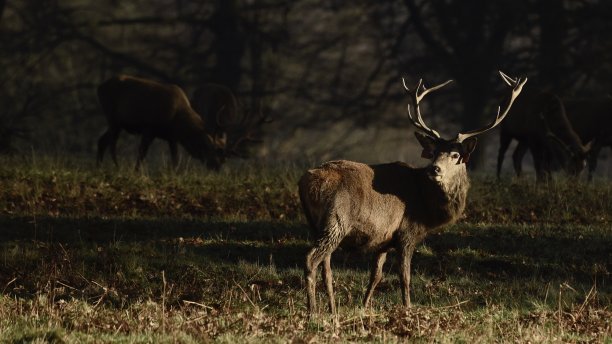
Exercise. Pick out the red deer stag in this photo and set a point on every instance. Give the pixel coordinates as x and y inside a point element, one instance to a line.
<point>591,119</point>
<point>154,110</point>
<point>219,109</point>
<point>379,207</point>
<point>537,117</point>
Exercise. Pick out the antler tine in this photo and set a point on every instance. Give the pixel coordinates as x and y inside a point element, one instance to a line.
<point>507,79</point>
<point>517,86</point>
<point>416,99</point>
<point>427,90</point>
<point>250,124</point>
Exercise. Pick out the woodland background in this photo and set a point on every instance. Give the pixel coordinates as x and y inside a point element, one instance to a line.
<point>328,72</point>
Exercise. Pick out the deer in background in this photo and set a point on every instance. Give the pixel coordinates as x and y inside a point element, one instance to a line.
<point>154,110</point>
<point>539,123</point>
<point>379,207</point>
<point>217,106</point>
<point>591,119</point>
<point>219,109</point>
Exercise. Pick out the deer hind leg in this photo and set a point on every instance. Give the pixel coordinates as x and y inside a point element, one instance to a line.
<point>322,251</point>
<point>145,142</point>
<point>108,138</point>
<point>375,277</point>
<point>504,142</point>
<point>517,157</point>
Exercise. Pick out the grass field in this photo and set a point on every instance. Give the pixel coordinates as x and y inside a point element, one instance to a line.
<point>116,256</point>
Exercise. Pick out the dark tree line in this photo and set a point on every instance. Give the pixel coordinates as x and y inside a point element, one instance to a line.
<point>311,63</point>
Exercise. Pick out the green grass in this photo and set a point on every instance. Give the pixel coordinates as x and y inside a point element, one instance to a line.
<point>117,256</point>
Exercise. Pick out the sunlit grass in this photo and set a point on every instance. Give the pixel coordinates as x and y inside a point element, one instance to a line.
<point>191,256</point>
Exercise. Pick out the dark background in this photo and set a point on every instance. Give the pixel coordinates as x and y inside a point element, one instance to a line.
<point>329,72</point>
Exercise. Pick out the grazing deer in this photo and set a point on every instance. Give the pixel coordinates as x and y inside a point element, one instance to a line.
<point>219,109</point>
<point>591,119</point>
<point>380,207</point>
<point>217,106</point>
<point>154,110</point>
<point>539,122</point>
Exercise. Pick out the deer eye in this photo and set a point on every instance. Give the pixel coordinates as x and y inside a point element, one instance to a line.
<point>455,155</point>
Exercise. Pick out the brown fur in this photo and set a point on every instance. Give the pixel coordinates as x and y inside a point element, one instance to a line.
<point>153,110</point>
<point>375,208</point>
<point>379,207</point>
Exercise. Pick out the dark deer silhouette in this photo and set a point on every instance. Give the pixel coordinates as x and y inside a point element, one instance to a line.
<point>154,110</point>
<point>226,120</point>
<point>539,123</point>
<point>591,119</point>
<point>379,207</point>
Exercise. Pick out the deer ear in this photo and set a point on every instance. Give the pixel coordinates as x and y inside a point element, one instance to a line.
<point>428,143</point>
<point>467,148</point>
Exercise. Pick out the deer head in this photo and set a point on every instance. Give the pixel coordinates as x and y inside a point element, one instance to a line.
<point>450,156</point>
<point>574,154</point>
<point>246,132</point>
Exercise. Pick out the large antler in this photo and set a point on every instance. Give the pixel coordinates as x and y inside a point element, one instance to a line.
<point>416,99</point>
<point>248,127</point>
<point>517,87</point>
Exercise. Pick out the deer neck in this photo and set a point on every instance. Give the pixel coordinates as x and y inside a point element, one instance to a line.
<point>446,199</point>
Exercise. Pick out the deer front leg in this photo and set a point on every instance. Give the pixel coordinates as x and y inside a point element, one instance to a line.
<point>109,138</point>
<point>517,157</point>
<point>145,142</point>
<point>405,259</point>
<point>541,163</point>
<point>592,159</point>
<point>375,277</point>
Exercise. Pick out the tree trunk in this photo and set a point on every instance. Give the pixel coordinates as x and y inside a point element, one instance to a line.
<point>229,45</point>
<point>551,61</point>
<point>2,7</point>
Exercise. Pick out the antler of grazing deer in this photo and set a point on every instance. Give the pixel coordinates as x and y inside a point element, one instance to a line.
<point>249,124</point>
<point>416,99</point>
<point>517,87</point>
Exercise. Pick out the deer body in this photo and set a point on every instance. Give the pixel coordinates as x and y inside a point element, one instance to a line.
<point>590,120</point>
<point>375,208</point>
<point>153,110</point>
<point>535,116</point>
<point>379,207</point>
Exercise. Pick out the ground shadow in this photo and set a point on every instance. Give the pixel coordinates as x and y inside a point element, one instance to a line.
<point>496,253</point>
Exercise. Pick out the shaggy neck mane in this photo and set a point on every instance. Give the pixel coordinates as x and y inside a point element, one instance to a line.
<point>445,201</point>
